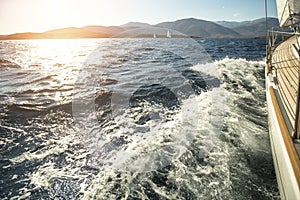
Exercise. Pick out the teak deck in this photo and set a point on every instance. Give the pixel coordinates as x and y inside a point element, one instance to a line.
<point>286,72</point>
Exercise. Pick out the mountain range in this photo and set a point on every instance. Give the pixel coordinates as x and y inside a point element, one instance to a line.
<point>189,27</point>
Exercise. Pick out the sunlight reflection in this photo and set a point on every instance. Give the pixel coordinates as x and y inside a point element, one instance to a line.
<point>51,64</point>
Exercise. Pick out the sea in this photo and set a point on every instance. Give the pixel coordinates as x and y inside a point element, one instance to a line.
<point>134,118</point>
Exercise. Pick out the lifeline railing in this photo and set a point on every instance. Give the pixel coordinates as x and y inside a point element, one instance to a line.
<point>284,65</point>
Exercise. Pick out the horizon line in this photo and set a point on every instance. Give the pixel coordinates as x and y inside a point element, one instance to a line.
<point>214,21</point>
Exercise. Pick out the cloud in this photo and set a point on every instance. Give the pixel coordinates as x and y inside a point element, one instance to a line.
<point>236,14</point>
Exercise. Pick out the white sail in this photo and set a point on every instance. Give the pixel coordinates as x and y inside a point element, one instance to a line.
<point>169,34</point>
<point>288,12</point>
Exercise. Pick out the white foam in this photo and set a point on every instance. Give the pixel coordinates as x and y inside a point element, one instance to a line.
<point>198,122</point>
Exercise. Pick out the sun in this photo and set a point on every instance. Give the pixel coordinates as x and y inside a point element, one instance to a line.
<point>43,15</point>
<point>66,13</point>
<point>55,12</point>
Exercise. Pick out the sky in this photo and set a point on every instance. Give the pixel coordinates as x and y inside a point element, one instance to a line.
<point>42,15</point>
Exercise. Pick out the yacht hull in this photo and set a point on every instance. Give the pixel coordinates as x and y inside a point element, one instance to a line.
<point>287,182</point>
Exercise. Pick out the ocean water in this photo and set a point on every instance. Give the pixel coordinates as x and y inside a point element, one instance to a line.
<point>160,118</point>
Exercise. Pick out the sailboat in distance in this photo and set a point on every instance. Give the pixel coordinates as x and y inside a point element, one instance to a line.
<point>169,34</point>
<point>283,98</point>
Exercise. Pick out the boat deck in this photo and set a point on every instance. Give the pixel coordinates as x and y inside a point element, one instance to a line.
<point>282,83</point>
<point>285,63</point>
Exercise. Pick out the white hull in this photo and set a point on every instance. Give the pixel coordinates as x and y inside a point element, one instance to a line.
<point>287,183</point>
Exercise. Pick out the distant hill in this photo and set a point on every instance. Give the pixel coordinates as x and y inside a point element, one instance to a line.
<point>256,28</point>
<point>104,29</point>
<point>136,24</point>
<point>231,24</point>
<point>199,28</point>
<point>190,27</point>
<point>71,32</point>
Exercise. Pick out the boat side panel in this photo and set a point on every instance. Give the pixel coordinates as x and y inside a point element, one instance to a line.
<point>286,177</point>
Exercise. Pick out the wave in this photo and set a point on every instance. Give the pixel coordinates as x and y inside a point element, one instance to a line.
<point>5,64</point>
<point>212,144</point>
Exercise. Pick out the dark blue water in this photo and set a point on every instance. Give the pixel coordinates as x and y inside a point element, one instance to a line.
<point>134,119</point>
